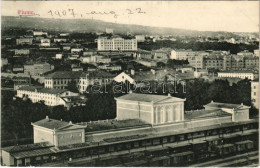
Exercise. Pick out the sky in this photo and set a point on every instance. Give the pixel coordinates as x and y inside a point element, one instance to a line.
<point>232,16</point>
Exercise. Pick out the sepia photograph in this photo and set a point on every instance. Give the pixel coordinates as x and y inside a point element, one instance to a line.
<point>129,83</point>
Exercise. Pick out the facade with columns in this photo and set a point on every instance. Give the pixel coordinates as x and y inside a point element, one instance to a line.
<point>153,109</point>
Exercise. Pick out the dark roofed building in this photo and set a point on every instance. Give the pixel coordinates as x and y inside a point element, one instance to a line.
<point>94,77</point>
<point>61,79</point>
<point>51,97</point>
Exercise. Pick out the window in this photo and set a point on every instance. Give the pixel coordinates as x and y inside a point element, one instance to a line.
<point>254,93</point>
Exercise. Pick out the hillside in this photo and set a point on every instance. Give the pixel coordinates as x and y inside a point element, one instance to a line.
<point>88,25</point>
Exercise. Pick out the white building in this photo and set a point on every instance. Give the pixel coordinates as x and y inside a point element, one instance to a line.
<point>58,133</point>
<point>24,41</point>
<point>116,44</point>
<point>51,97</point>
<point>153,109</point>
<point>58,56</point>
<point>21,51</point>
<point>45,42</point>
<point>181,54</point>
<point>39,33</point>
<point>58,40</point>
<point>76,50</point>
<point>94,78</point>
<point>237,74</point>
<point>255,93</point>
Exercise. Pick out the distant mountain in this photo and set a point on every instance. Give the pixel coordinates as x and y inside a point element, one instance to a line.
<point>88,25</point>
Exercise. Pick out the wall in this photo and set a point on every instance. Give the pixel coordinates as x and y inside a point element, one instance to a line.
<point>42,135</point>
<point>69,137</point>
<point>7,159</point>
<point>241,115</point>
<point>134,110</point>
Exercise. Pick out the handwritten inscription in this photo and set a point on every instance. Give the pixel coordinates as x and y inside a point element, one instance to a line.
<point>74,13</point>
<point>26,13</point>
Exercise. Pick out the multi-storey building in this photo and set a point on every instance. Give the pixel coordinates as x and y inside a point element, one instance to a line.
<point>24,41</point>
<point>51,97</point>
<point>60,40</point>
<point>245,53</point>
<point>255,93</point>
<point>256,52</point>
<point>251,62</point>
<point>196,61</point>
<point>61,79</point>
<point>181,54</point>
<point>45,42</point>
<point>39,33</point>
<point>237,74</point>
<point>94,77</point>
<point>161,54</point>
<point>213,61</point>
<point>21,51</point>
<point>116,44</point>
<point>37,69</point>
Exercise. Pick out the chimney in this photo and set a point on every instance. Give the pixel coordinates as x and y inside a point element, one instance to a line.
<point>165,70</point>
<point>61,119</point>
<point>169,95</point>
<point>35,90</point>
<point>211,101</point>
<point>70,123</point>
<point>130,91</point>
<point>242,104</point>
<point>47,118</point>
<point>132,72</point>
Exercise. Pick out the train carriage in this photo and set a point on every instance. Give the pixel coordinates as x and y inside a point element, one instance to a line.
<point>157,152</point>
<point>244,145</point>
<point>162,161</point>
<point>225,149</point>
<point>139,163</point>
<point>183,158</point>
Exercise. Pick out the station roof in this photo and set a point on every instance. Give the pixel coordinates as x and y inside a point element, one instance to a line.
<point>226,105</point>
<point>27,147</point>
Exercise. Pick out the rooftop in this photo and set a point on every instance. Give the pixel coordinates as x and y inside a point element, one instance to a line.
<point>205,114</point>
<point>64,75</point>
<point>226,105</point>
<point>147,97</point>
<point>27,147</point>
<point>97,74</point>
<point>236,72</point>
<point>56,124</point>
<point>112,124</point>
<point>40,89</point>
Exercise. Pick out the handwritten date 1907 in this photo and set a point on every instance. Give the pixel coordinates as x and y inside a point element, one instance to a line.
<point>73,13</point>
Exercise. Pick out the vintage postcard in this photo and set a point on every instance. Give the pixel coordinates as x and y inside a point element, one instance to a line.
<point>129,83</point>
